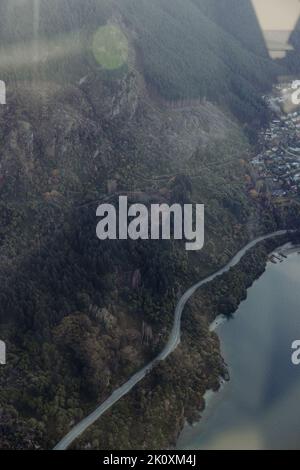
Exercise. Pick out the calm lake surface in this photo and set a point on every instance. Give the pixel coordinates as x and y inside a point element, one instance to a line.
<point>260,407</point>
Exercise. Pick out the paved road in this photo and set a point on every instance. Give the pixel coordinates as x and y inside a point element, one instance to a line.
<point>171,345</point>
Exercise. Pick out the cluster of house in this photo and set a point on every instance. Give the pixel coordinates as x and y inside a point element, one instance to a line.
<point>278,163</point>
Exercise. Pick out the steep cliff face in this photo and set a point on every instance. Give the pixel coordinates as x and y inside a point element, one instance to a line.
<point>73,311</point>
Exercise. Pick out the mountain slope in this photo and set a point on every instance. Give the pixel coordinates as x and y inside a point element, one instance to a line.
<point>80,316</point>
<point>188,50</point>
<point>186,54</point>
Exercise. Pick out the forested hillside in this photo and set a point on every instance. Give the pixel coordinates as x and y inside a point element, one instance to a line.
<point>237,18</point>
<point>196,49</point>
<point>188,50</point>
<point>79,316</point>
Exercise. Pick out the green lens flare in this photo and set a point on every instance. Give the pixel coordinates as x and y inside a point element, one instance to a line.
<point>110,47</point>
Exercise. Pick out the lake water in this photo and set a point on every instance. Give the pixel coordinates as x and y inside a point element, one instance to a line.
<point>260,407</point>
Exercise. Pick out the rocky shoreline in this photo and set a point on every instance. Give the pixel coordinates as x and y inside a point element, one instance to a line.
<point>286,247</point>
<point>174,393</point>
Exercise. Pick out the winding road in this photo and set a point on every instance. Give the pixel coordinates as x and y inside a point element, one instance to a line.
<point>171,345</point>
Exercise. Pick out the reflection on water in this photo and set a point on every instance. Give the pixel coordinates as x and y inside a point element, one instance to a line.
<point>259,407</point>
